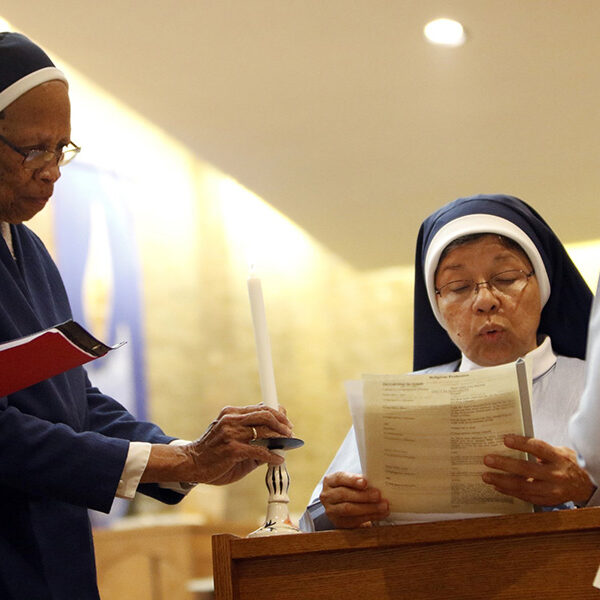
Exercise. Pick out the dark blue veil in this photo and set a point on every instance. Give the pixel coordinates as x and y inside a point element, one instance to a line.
<point>565,315</point>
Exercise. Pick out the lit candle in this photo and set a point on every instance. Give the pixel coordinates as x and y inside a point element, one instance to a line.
<point>263,345</point>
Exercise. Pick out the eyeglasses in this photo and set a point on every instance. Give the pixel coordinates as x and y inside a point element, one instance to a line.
<point>38,157</point>
<point>508,283</point>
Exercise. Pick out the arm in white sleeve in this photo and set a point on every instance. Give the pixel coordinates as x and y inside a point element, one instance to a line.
<point>347,459</point>
<point>583,428</point>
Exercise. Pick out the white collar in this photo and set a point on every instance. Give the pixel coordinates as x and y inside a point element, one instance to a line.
<point>6,234</point>
<point>542,357</point>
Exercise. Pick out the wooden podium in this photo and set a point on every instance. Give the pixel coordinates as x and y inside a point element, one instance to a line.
<point>550,556</point>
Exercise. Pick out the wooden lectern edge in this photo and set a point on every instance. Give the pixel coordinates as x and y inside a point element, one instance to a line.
<point>414,533</point>
<point>222,565</point>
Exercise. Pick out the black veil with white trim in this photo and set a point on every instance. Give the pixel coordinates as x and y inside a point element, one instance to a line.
<point>565,314</point>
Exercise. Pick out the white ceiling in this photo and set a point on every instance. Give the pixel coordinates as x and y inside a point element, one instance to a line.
<point>339,114</point>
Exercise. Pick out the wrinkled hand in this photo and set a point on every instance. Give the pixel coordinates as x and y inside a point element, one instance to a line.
<point>223,454</point>
<point>555,477</point>
<point>350,502</point>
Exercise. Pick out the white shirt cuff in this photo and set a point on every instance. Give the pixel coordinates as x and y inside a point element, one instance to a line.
<point>135,464</point>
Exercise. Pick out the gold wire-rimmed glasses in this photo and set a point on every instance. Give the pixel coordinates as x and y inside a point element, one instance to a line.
<point>37,158</point>
<point>508,283</point>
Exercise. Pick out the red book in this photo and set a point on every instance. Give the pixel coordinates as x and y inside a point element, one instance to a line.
<point>33,358</point>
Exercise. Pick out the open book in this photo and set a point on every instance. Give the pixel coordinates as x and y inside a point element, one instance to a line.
<point>33,358</point>
<point>422,438</point>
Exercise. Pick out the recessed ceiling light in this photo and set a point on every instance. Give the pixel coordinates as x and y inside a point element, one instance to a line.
<point>445,32</point>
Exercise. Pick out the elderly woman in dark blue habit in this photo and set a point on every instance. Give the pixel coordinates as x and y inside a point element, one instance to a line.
<point>492,283</point>
<point>65,445</point>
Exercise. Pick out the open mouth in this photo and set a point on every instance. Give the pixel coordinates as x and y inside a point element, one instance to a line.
<point>491,332</point>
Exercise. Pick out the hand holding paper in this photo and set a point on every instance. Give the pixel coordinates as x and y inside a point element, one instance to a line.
<point>554,479</point>
<point>350,502</point>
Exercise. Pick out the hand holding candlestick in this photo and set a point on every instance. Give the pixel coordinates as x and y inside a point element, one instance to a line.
<point>277,477</point>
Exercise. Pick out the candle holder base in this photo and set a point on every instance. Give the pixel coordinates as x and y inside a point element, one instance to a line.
<point>278,443</point>
<point>274,527</point>
<point>277,479</point>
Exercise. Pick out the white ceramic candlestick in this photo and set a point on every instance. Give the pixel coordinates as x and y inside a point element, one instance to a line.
<point>277,521</point>
<point>277,478</point>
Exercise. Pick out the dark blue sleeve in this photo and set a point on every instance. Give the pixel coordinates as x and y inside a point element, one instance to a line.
<point>108,417</point>
<point>41,458</point>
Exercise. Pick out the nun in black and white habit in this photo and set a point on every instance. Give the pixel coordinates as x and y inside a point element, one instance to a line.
<point>559,342</point>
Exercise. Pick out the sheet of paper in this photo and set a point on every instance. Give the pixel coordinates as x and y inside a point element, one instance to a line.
<point>354,394</point>
<point>596,583</point>
<point>426,436</point>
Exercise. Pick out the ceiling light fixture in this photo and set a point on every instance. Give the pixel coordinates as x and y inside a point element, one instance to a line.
<point>445,32</point>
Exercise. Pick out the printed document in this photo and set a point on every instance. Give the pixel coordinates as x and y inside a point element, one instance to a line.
<point>422,438</point>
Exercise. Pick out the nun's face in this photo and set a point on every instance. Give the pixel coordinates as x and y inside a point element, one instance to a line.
<point>39,119</point>
<point>489,326</point>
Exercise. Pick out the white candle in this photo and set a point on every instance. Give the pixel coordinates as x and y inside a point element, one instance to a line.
<point>263,345</point>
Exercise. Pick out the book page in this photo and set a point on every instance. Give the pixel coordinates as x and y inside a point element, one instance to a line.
<point>426,436</point>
